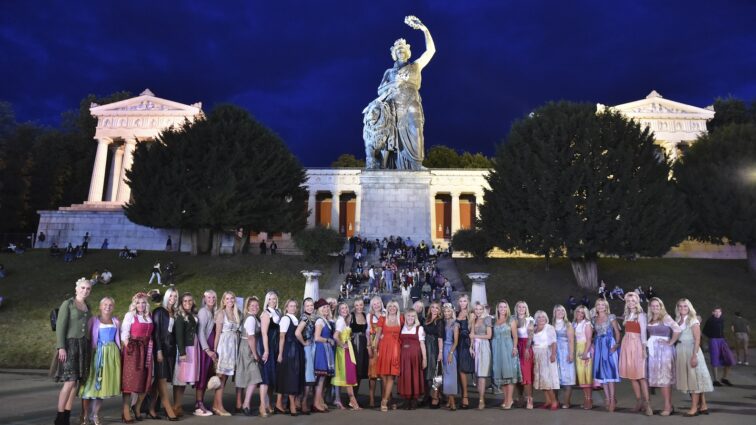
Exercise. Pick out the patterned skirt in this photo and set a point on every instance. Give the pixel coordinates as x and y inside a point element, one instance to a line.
<point>545,372</point>
<point>76,366</point>
<point>661,364</point>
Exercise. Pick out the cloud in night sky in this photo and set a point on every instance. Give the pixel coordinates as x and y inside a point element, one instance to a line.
<point>306,69</point>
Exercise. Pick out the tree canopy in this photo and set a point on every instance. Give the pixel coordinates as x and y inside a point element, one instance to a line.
<point>347,160</point>
<point>223,172</point>
<point>718,175</point>
<point>440,156</point>
<point>570,181</point>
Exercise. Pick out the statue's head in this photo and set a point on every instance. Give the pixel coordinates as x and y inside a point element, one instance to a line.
<point>400,51</point>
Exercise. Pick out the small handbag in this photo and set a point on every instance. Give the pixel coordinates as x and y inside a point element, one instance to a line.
<point>438,380</point>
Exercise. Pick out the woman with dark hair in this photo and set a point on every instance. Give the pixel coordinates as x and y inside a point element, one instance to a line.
<point>187,343</point>
<point>164,353</point>
<point>305,333</point>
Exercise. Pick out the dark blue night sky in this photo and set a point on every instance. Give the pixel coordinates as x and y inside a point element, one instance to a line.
<point>307,68</point>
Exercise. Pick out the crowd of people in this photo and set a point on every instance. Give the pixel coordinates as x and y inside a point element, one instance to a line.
<point>298,355</point>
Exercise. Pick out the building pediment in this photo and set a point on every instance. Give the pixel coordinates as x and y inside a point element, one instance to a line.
<point>146,104</point>
<point>656,106</point>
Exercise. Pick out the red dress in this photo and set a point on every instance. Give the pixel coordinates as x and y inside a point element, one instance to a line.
<point>412,379</point>
<point>137,359</point>
<point>388,362</point>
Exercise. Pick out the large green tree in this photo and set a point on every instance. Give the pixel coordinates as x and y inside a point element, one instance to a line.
<point>220,173</point>
<point>718,175</point>
<point>440,156</point>
<point>570,181</point>
<point>347,160</point>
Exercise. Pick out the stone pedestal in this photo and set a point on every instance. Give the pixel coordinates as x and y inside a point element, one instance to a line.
<point>312,286</point>
<point>395,203</point>
<point>478,294</point>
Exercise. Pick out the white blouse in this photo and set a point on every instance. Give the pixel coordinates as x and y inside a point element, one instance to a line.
<point>250,325</point>
<point>286,321</point>
<point>545,338</point>
<point>411,331</point>
<point>128,320</point>
<point>523,331</point>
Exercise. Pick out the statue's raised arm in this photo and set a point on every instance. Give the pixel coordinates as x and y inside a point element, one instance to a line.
<point>430,47</point>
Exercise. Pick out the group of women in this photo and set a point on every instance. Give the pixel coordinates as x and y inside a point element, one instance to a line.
<point>305,354</point>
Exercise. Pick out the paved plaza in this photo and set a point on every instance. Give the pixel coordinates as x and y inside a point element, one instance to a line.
<point>29,396</point>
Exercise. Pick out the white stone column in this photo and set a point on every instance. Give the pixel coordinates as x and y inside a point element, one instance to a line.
<point>478,294</point>
<point>124,190</point>
<point>311,204</point>
<point>357,212</point>
<point>432,200</point>
<point>115,174</point>
<point>98,172</point>
<point>454,212</point>
<point>335,210</point>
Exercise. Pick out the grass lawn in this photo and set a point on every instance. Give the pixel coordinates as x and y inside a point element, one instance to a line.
<point>37,283</point>
<point>705,282</point>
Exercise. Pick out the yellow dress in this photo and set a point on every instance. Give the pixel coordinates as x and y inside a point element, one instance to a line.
<point>346,367</point>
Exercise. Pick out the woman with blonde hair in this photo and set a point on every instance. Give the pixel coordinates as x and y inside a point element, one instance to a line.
<point>389,350</point>
<point>267,350</point>
<point>692,375</point>
<point>324,357</point>
<point>434,347</point>
<point>632,362</point>
<point>606,359</point>
<point>164,355</point>
<point>345,366</point>
<point>290,376</point>
<point>208,356</point>
<point>136,343</point>
<point>465,361</point>
<point>72,356</point>
<point>584,354</point>
<point>525,326</point>
<point>187,343</point>
<point>481,349</point>
<point>506,362</point>
<point>449,362</point>
<point>663,333</point>
<point>305,333</point>
<point>227,323</point>
<point>248,361</point>
<point>565,335</point>
<point>374,316</point>
<point>545,368</point>
<point>411,385</point>
<point>104,380</point>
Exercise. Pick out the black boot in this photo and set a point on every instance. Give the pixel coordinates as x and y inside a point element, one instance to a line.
<point>59,418</point>
<point>67,417</point>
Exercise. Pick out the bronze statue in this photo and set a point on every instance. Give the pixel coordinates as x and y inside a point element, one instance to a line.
<point>393,122</point>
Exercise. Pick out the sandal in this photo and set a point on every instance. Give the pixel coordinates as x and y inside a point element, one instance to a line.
<point>465,403</point>
<point>384,406</point>
<point>529,404</point>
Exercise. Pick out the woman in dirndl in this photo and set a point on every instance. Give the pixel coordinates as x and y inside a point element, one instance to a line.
<point>227,323</point>
<point>411,381</point>
<point>345,366</point>
<point>434,347</point>
<point>208,356</point>
<point>632,359</point>
<point>248,375</point>
<point>505,370</point>
<point>164,354</point>
<point>267,349</point>
<point>565,334</point>
<point>305,333</point>
<point>71,362</point>
<point>291,362</point>
<point>584,354</point>
<point>692,375</point>
<point>187,367</point>
<point>374,316</point>
<point>324,357</point>
<point>663,333</point>
<point>480,335</point>
<point>137,346</point>
<point>525,325</point>
<point>104,380</point>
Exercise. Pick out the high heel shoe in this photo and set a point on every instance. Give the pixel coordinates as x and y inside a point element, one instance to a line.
<point>278,410</point>
<point>384,406</point>
<point>588,404</point>
<point>703,412</point>
<point>505,406</point>
<point>127,421</point>
<point>353,405</point>
<point>219,412</point>
<point>263,413</point>
<point>96,420</point>
<point>481,404</point>
<point>465,403</point>
<point>155,416</point>
<point>529,404</point>
<point>648,411</point>
<point>318,410</point>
